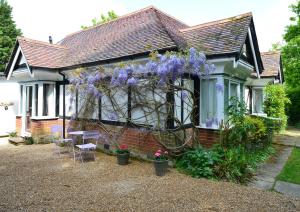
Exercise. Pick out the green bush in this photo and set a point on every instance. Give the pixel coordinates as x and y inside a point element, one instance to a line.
<point>241,129</point>
<point>234,165</point>
<point>237,164</point>
<point>293,108</point>
<point>257,136</point>
<point>274,104</point>
<point>28,140</point>
<point>12,134</point>
<point>198,163</point>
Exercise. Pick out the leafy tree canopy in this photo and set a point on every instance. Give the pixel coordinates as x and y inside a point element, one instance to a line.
<point>8,33</point>
<point>111,15</point>
<point>293,30</point>
<point>291,51</point>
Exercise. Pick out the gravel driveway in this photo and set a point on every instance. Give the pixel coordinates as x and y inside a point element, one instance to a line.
<point>33,179</point>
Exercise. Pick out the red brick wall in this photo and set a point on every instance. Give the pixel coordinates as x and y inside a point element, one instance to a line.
<point>18,124</point>
<point>135,139</point>
<point>208,137</point>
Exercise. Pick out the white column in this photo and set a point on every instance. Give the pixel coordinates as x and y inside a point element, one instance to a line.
<point>33,101</point>
<point>40,99</point>
<point>24,99</point>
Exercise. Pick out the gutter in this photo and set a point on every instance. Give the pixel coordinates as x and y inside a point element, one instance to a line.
<point>64,103</point>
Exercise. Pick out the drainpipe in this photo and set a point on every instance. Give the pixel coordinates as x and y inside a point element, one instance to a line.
<point>64,103</point>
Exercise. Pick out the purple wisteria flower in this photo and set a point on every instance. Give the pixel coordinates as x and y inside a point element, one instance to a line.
<point>220,87</point>
<point>132,81</point>
<point>209,122</point>
<point>113,116</point>
<point>184,95</point>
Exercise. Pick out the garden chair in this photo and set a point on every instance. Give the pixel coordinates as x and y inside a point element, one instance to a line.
<point>58,140</point>
<point>87,148</point>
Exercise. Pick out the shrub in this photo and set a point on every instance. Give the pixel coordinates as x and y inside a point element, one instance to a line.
<point>275,102</point>
<point>198,163</point>
<point>293,108</point>
<point>12,134</point>
<point>237,164</point>
<point>257,136</point>
<point>28,140</point>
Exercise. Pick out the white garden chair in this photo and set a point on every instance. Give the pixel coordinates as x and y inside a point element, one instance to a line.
<point>87,148</point>
<point>58,140</point>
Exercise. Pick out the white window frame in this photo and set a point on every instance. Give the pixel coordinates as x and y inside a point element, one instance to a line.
<point>253,100</point>
<point>219,102</point>
<point>40,84</point>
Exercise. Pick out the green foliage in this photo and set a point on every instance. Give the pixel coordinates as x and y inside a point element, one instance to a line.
<point>293,108</point>
<point>28,140</point>
<point>242,130</point>
<point>293,30</point>
<point>12,134</point>
<point>234,166</point>
<point>291,170</point>
<point>8,33</point>
<point>198,163</point>
<point>111,15</point>
<point>257,133</point>
<point>291,62</point>
<point>275,102</point>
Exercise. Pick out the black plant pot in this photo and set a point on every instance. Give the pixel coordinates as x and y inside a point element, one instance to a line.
<point>123,159</point>
<point>161,167</point>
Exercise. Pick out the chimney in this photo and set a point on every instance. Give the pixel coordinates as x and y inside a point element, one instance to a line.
<point>50,39</point>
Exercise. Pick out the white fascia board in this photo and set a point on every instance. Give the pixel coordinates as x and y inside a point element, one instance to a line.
<point>253,53</point>
<point>228,59</point>
<point>19,50</point>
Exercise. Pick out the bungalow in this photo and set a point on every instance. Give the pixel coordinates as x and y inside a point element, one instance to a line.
<point>43,69</point>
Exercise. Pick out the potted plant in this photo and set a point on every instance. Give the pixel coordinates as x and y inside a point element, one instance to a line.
<point>123,154</point>
<point>161,162</point>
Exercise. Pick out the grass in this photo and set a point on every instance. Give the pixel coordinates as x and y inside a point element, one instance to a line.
<point>291,170</point>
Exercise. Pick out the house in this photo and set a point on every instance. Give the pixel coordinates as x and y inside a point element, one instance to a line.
<point>43,69</point>
<point>272,74</point>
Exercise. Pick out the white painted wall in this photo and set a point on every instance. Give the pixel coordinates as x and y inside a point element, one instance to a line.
<point>9,93</point>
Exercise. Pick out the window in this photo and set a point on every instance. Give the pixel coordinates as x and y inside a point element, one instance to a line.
<point>208,102</point>
<point>258,101</point>
<point>233,92</point>
<point>48,100</point>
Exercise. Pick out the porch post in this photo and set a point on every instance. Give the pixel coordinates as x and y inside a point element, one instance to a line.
<point>40,99</point>
<point>24,99</point>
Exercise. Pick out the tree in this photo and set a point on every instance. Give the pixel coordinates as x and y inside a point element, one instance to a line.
<point>291,62</point>
<point>111,15</point>
<point>291,51</point>
<point>8,33</point>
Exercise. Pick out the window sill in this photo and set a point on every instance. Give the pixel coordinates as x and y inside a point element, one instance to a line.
<point>208,128</point>
<point>37,118</point>
<point>259,114</point>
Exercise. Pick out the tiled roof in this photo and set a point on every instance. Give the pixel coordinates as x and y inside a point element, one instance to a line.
<point>219,37</point>
<point>135,33</point>
<point>42,54</point>
<point>271,61</point>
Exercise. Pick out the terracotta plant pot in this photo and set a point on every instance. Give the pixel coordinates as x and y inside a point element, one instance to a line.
<point>123,159</point>
<point>161,167</point>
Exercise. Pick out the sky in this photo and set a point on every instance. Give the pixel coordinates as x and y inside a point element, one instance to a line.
<point>40,18</point>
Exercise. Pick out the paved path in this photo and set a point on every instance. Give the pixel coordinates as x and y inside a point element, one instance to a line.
<point>266,173</point>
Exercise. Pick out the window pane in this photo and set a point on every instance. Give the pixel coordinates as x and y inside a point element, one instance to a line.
<point>21,101</point>
<point>258,101</point>
<point>48,100</point>
<point>233,90</point>
<point>208,101</point>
